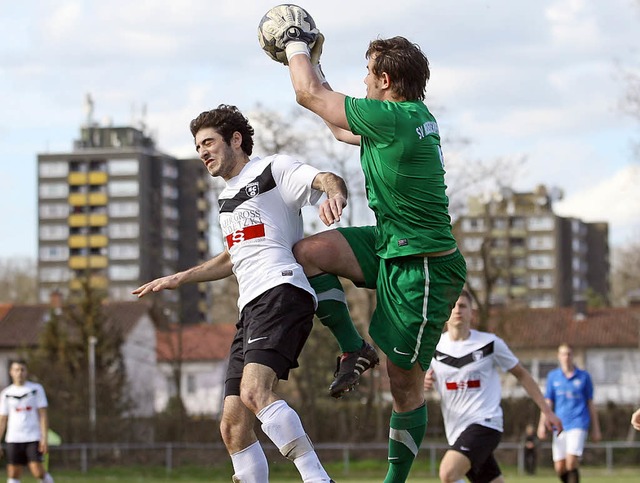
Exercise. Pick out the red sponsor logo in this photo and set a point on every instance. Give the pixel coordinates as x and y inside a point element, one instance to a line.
<point>471,384</point>
<point>244,234</point>
<point>26,408</point>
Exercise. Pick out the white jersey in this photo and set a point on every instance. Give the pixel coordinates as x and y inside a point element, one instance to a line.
<point>261,219</point>
<point>468,380</point>
<point>21,404</point>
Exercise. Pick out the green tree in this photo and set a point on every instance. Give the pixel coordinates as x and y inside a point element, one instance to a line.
<point>61,360</point>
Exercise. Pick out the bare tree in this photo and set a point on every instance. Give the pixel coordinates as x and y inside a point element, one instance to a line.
<point>18,280</point>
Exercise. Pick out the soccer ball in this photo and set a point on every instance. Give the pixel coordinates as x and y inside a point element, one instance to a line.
<point>276,22</point>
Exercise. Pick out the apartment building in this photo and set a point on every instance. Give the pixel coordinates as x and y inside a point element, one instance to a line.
<point>536,258</point>
<point>118,212</point>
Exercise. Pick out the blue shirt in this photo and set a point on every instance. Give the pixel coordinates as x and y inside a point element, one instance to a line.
<point>570,397</point>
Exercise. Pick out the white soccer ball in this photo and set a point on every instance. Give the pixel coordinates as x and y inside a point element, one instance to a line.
<point>276,22</point>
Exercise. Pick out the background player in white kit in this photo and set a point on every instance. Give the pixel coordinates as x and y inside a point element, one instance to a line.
<point>464,370</point>
<point>23,413</point>
<point>261,220</point>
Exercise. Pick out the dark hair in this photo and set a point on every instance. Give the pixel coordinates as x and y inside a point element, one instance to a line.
<point>226,120</point>
<point>405,63</point>
<point>465,293</point>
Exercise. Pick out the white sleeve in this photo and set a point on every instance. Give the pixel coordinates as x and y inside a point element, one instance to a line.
<point>505,359</point>
<point>41,398</point>
<point>4,409</point>
<point>294,179</point>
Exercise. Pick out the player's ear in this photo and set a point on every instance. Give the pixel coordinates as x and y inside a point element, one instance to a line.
<point>236,139</point>
<point>385,80</point>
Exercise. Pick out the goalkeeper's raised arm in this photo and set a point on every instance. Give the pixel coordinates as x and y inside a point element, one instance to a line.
<point>312,90</point>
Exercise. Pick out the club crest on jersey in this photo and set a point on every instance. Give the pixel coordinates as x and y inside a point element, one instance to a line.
<point>252,189</point>
<point>476,355</point>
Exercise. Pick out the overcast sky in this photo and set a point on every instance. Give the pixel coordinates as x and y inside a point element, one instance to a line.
<point>542,80</point>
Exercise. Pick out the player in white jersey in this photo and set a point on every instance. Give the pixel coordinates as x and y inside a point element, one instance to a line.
<point>23,414</point>
<point>465,371</point>
<point>260,217</point>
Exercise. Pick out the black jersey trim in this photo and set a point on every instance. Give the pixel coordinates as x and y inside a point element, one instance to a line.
<point>459,362</point>
<point>30,393</point>
<point>259,185</point>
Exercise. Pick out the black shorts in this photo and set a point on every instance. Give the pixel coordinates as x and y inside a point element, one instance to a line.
<point>272,331</point>
<point>478,443</point>
<point>23,453</point>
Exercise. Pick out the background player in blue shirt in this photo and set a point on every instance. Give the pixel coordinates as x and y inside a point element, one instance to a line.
<point>570,395</point>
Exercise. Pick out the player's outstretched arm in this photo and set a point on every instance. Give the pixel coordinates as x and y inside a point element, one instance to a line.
<point>551,422</point>
<point>217,268</point>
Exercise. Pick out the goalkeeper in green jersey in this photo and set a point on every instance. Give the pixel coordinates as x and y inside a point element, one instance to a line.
<point>410,256</point>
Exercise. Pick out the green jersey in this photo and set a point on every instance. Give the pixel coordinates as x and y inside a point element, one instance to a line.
<point>404,175</point>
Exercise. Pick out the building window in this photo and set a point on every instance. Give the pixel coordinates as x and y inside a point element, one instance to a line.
<point>124,230</point>
<point>123,209</point>
<point>53,169</point>
<point>54,232</point>
<point>472,243</point>
<point>191,384</point>
<point>540,223</point>
<point>544,280</point>
<point>55,253</point>
<point>169,171</point>
<point>123,167</point>
<point>540,261</point>
<point>475,263</point>
<point>123,188</point>
<point>170,212</point>
<point>473,224</point>
<point>124,251</point>
<point>54,274</point>
<point>542,301</point>
<point>53,190</point>
<point>169,192</point>
<point>124,272</point>
<point>540,242</point>
<point>54,210</point>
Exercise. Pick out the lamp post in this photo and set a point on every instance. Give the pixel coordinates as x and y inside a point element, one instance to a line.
<point>92,385</point>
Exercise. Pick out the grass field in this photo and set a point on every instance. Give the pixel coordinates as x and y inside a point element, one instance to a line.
<point>372,473</point>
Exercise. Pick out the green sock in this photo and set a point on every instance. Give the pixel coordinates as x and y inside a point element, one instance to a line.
<point>405,437</point>
<point>333,312</point>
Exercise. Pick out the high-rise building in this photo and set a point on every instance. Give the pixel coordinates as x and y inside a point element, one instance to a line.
<point>118,212</point>
<point>530,255</point>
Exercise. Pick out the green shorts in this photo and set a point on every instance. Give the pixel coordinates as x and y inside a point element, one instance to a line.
<point>415,296</point>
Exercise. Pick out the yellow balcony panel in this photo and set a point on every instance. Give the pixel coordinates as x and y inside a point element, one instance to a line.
<point>98,219</point>
<point>80,262</point>
<point>76,179</point>
<point>97,177</point>
<point>203,225</point>
<point>98,261</point>
<point>78,241</point>
<point>78,199</point>
<point>94,282</point>
<point>79,219</point>
<point>98,241</point>
<point>518,291</point>
<point>97,199</point>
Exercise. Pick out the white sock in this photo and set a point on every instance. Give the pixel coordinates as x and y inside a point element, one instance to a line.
<point>47,478</point>
<point>250,465</point>
<point>284,428</point>
<point>13,480</point>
